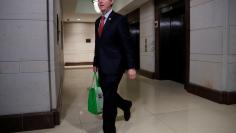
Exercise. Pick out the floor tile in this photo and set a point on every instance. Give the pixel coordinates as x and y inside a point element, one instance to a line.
<point>158,107</point>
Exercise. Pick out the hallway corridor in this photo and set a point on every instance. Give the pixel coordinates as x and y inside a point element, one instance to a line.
<point>159,107</point>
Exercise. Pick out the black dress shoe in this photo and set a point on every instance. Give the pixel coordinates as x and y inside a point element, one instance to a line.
<point>127,113</point>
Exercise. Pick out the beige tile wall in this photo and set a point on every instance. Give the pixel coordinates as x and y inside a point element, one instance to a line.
<point>212,54</point>
<point>24,88</point>
<point>147,55</point>
<point>231,75</point>
<point>24,69</point>
<point>76,49</point>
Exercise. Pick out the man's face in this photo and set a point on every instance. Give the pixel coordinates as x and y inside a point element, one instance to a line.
<point>104,4</point>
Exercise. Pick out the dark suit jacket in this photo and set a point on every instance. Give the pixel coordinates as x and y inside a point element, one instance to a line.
<point>114,50</point>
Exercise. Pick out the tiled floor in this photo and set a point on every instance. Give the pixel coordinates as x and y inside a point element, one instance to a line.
<point>159,107</point>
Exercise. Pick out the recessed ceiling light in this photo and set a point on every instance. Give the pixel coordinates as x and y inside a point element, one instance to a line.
<point>78,19</point>
<point>95,4</point>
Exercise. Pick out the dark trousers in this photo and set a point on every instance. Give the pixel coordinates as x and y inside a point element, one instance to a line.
<point>112,100</point>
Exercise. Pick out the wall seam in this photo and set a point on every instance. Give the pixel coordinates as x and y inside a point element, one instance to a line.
<point>225,47</point>
<point>201,3</point>
<point>49,57</point>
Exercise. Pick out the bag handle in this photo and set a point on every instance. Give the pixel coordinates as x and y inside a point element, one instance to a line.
<point>96,78</point>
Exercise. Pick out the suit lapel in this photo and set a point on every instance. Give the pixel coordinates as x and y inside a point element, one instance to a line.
<point>97,25</point>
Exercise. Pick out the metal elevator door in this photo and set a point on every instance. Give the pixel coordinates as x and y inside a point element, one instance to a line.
<point>172,45</point>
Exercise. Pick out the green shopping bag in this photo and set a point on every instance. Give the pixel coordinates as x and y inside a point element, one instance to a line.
<point>95,97</point>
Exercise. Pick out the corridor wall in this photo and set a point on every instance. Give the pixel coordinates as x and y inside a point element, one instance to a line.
<point>31,63</point>
<point>76,49</point>
<point>147,37</point>
<point>24,68</point>
<point>212,44</point>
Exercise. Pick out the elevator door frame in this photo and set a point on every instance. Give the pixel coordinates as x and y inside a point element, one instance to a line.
<point>161,4</point>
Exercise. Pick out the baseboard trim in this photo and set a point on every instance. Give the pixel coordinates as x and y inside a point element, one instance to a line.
<point>30,121</point>
<point>78,63</point>
<point>146,73</point>
<point>57,111</point>
<point>222,97</point>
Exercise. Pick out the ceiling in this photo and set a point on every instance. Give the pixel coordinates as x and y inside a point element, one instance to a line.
<point>83,9</point>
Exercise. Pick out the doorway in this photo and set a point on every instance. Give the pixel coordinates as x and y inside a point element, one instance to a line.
<point>172,63</point>
<point>134,28</point>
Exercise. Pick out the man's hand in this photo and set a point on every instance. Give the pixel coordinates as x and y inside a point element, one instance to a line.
<point>95,69</point>
<point>132,73</point>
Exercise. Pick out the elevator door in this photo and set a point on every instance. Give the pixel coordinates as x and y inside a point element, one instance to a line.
<point>172,45</point>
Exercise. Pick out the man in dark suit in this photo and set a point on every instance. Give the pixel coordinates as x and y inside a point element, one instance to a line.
<point>114,53</point>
